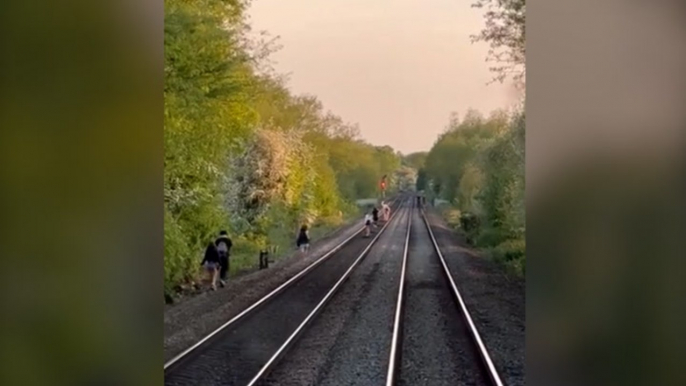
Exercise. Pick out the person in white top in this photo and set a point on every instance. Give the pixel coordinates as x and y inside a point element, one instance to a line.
<point>385,211</point>
<point>368,218</point>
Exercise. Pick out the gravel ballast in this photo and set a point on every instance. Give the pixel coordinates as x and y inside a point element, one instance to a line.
<point>495,300</point>
<point>436,347</point>
<point>349,342</point>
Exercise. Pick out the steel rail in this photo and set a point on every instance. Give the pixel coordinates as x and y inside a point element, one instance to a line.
<point>267,297</point>
<point>474,333</point>
<point>292,338</point>
<point>399,309</point>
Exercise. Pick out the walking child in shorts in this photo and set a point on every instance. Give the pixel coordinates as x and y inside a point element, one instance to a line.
<point>303,241</point>
<point>386,211</point>
<point>211,264</point>
<point>368,218</point>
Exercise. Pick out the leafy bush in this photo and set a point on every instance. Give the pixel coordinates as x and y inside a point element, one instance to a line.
<point>177,255</point>
<point>451,215</point>
<point>478,166</point>
<point>511,253</point>
<point>470,225</point>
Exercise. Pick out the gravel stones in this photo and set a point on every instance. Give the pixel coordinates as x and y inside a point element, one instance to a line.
<point>437,348</point>
<point>495,301</point>
<point>349,342</point>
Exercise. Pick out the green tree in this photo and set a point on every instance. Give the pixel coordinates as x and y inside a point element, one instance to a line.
<point>421,183</point>
<point>505,32</point>
<point>207,91</point>
<point>478,166</point>
<point>415,160</point>
<point>242,152</point>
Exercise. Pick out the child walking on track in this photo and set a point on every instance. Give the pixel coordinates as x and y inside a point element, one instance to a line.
<point>303,241</point>
<point>211,264</point>
<point>368,218</point>
<point>386,211</point>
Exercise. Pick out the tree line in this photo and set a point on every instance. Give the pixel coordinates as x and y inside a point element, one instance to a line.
<point>477,166</point>
<point>242,152</point>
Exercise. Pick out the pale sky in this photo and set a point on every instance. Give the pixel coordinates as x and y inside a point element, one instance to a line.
<point>398,68</point>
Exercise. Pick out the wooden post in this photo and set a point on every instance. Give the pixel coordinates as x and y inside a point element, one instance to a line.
<point>264,259</point>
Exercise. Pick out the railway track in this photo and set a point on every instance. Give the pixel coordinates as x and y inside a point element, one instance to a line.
<point>399,320</point>
<point>244,349</point>
<point>432,341</point>
<point>435,341</point>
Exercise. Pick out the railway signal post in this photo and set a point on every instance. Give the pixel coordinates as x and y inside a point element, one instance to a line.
<point>382,185</point>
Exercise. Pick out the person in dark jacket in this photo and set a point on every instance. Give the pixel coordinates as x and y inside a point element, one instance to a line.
<point>303,241</point>
<point>224,245</point>
<point>211,264</point>
<point>375,215</point>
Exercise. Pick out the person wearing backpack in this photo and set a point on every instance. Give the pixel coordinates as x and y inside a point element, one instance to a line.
<point>224,245</point>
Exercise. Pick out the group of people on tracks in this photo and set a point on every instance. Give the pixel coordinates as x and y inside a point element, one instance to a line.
<point>371,219</point>
<point>216,259</point>
<point>217,253</point>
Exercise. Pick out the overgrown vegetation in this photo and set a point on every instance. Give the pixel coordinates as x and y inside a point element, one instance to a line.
<point>242,153</point>
<point>477,165</point>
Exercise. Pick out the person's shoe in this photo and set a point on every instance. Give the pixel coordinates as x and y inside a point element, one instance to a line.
<point>213,287</point>
<point>222,283</point>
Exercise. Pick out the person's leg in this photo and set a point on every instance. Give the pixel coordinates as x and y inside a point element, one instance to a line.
<point>221,276</point>
<point>224,261</point>
<point>208,274</point>
<point>215,274</point>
